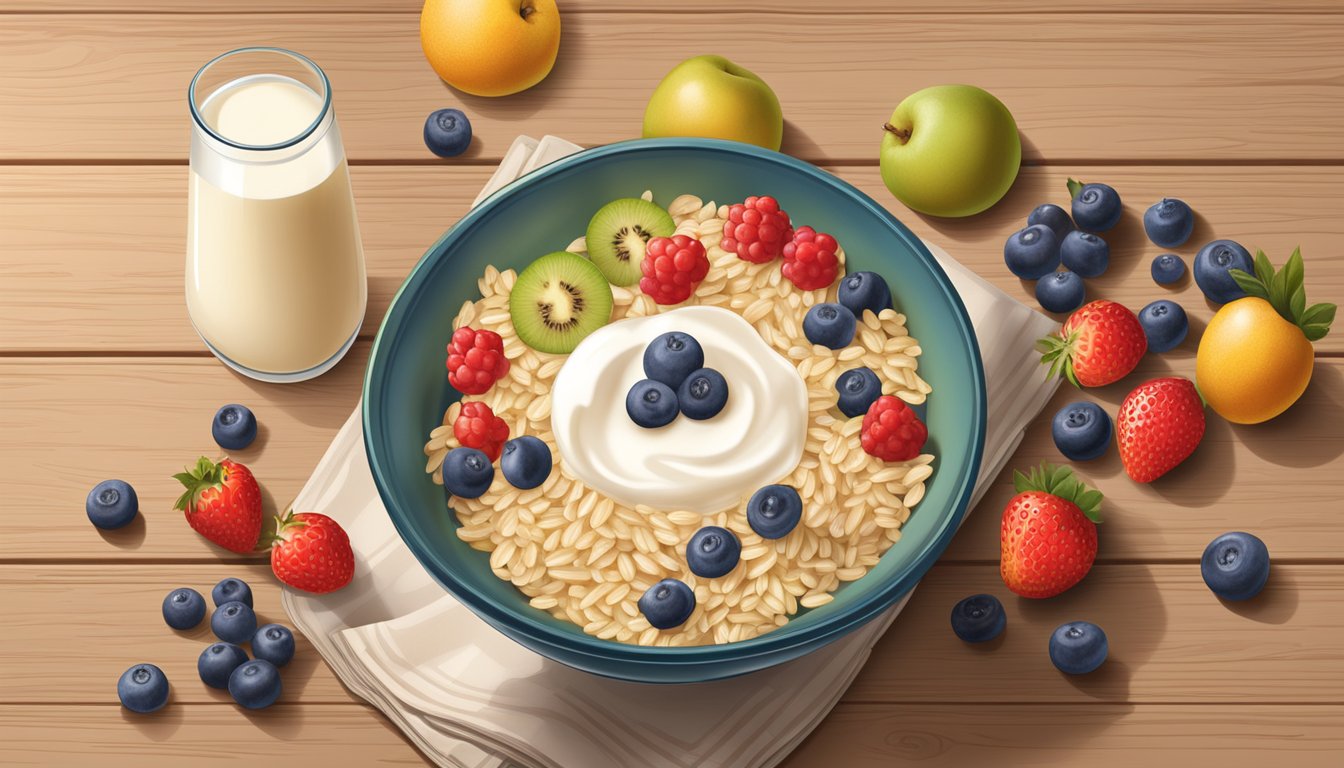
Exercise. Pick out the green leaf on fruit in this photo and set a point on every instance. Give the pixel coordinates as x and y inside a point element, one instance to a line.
<point>1075,186</point>
<point>1264,270</point>
<point>1249,283</point>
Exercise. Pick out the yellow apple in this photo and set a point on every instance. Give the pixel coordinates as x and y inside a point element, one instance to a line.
<point>490,47</point>
<point>711,97</point>
<point>950,150</point>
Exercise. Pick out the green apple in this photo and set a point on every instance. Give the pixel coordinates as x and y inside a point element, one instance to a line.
<point>711,97</point>
<point>950,150</point>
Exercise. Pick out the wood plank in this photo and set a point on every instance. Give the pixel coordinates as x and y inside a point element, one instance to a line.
<point>1235,736</point>
<point>173,401</point>
<point>201,735</point>
<point>1149,89</point>
<point>567,7</point>
<point>141,419</point>
<point>94,255</point>
<point>1171,640</point>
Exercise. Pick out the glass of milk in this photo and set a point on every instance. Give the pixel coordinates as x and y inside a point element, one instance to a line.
<point>275,269</point>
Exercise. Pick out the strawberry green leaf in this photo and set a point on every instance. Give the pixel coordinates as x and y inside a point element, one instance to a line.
<point>1249,283</point>
<point>1021,483</point>
<point>1075,187</point>
<point>1060,481</point>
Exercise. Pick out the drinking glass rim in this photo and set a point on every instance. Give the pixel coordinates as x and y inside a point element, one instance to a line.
<point>304,134</point>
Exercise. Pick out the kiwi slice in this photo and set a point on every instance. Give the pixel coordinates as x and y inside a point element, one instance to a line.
<point>558,300</point>
<point>618,232</point>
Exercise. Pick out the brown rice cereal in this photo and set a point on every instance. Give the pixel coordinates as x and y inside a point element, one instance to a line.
<point>587,559</point>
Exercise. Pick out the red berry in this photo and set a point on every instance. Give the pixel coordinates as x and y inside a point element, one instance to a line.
<point>891,431</point>
<point>809,259</point>
<point>312,552</point>
<point>475,360</point>
<point>672,267</point>
<point>756,230</point>
<point>478,427</point>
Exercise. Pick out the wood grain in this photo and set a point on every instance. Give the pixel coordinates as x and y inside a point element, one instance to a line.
<point>568,7</point>
<point>1127,87</point>
<point>1232,736</point>
<point>72,631</point>
<point>141,419</point>
<point>94,255</point>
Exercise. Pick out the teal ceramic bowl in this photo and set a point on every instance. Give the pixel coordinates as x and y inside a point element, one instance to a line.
<point>406,392</point>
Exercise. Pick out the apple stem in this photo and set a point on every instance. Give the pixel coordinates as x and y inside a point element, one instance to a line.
<point>904,136</point>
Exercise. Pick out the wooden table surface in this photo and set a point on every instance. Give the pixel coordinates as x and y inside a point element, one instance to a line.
<point>1233,105</point>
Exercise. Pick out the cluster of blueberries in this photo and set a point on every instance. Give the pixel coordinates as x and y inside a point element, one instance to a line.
<point>678,382</point>
<point>253,684</point>
<point>526,462</point>
<point>1235,566</point>
<point>772,512</point>
<point>1050,239</point>
<point>833,324</point>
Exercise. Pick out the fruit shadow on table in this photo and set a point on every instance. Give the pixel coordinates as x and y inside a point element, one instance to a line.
<point>1314,419</point>
<point>573,48</point>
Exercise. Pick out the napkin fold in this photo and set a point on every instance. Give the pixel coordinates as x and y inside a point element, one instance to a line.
<point>469,697</point>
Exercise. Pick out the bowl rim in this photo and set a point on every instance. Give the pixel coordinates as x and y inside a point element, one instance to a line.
<point>569,644</point>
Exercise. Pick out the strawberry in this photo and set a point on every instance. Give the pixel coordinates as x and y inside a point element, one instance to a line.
<point>1048,537</point>
<point>1158,426</point>
<point>1099,344</point>
<point>311,552</point>
<point>222,503</point>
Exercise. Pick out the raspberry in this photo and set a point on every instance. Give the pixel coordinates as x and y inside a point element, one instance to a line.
<point>756,230</point>
<point>809,259</point>
<point>891,431</point>
<point>478,427</point>
<point>475,360</point>
<point>672,267</point>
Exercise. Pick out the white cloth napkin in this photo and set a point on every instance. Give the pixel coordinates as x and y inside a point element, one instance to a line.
<point>467,696</point>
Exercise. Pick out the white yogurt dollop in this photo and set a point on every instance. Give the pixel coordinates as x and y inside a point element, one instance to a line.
<point>700,466</point>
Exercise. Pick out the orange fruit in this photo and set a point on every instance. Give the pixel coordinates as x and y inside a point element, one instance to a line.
<point>1252,364</point>
<point>490,47</point>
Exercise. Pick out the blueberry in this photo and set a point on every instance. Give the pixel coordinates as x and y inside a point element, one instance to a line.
<point>183,608</point>
<point>447,132</point>
<point>274,643</point>
<point>703,394</point>
<point>978,618</point>
<point>1096,207</point>
<point>1235,566</point>
<point>467,473</point>
<point>864,290</point>
<point>667,604</point>
<point>830,325</point>
<point>111,504</point>
<point>255,685</point>
<point>1078,647</point>
<point>1032,253</point>
<point>671,357</point>
<point>1211,270</point>
<point>1169,222</point>
<point>651,404</point>
<point>234,427</point>
<point>774,510</point>
<point>526,462</point>
<point>217,662</point>
<point>1082,431</point>
<point>858,388</point>
<point>1054,217</point>
<point>1061,291</point>
<point>231,589</point>
<point>233,622</point>
<point>1168,268</point>
<point>1085,253</point>
<point>1165,325</point>
<point>143,688</point>
<point>713,552</point>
